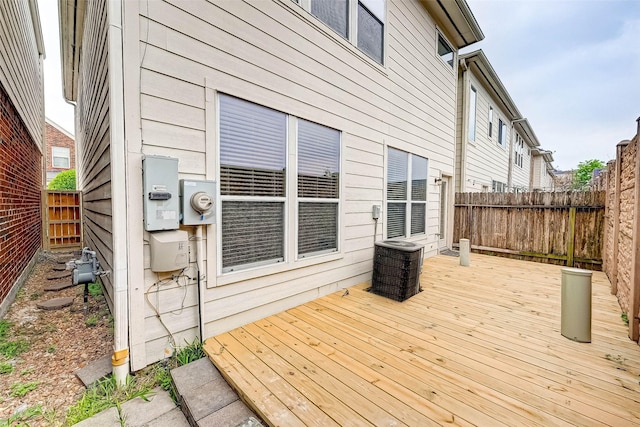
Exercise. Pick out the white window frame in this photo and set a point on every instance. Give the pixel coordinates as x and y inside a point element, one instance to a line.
<point>454,61</point>
<point>66,155</point>
<point>490,127</point>
<point>519,151</point>
<point>408,201</point>
<point>352,27</point>
<point>502,133</point>
<point>473,118</point>
<point>291,260</point>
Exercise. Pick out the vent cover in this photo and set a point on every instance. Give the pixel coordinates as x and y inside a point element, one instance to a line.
<point>396,269</point>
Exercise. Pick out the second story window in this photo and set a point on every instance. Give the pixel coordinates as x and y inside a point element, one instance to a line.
<point>502,133</point>
<point>490,121</point>
<point>365,30</point>
<point>60,157</point>
<point>444,50</point>
<point>519,151</point>
<point>473,99</point>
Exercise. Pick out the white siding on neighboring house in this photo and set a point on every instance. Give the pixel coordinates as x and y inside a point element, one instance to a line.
<point>486,159</point>
<point>522,169</point>
<point>21,72</point>
<point>275,54</point>
<point>93,142</point>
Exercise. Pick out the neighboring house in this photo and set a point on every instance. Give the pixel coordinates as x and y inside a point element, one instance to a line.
<point>543,178</point>
<point>307,118</point>
<point>563,180</point>
<point>21,129</point>
<point>494,141</point>
<point>60,150</point>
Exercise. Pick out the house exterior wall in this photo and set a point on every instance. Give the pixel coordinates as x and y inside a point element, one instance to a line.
<point>93,142</point>
<point>276,54</point>
<point>485,159</point>
<point>21,70</point>
<point>521,174</point>
<point>21,127</point>
<point>54,136</point>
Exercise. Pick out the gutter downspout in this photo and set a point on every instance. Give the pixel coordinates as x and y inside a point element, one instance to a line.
<point>464,137</point>
<point>120,358</point>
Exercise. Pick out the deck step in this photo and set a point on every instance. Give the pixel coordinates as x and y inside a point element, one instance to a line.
<point>207,400</point>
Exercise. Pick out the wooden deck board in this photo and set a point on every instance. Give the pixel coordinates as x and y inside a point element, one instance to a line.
<point>479,346</point>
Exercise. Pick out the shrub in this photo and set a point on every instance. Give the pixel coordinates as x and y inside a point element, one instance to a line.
<point>63,181</point>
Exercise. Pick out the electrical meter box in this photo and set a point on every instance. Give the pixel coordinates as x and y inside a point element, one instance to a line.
<point>160,198</point>
<point>169,250</point>
<point>197,202</point>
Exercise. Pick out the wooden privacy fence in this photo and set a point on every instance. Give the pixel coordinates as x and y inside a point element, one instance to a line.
<point>563,228</point>
<point>62,219</point>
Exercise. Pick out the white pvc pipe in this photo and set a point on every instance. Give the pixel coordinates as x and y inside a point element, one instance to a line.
<point>465,248</point>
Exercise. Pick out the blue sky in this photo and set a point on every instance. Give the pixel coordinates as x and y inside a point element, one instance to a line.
<point>571,66</point>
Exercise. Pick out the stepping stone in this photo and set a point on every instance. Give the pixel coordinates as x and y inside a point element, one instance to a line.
<point>94,371</point>
<point>59,268</point>
<point>61,262</point>
<point>59,275</point>
<point>55,303</point>
<point>59,286</point>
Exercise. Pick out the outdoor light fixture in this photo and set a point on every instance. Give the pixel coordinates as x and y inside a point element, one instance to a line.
<point>438,181</point>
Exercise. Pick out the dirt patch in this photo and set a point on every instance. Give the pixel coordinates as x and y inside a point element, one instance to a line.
<point>59,342</point>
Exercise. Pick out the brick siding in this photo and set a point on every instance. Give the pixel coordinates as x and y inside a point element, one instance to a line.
<point>20,184</point>
<point>53,137</point>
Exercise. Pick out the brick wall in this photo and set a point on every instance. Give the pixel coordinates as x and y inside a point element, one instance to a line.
<point>618,264</point>
<point>56,137</point>
<point>20,184</point>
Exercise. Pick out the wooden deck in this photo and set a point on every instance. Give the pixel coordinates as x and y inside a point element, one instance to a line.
<point>480,345</point>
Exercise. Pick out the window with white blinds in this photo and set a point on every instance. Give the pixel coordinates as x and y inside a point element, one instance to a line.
<point>366,30</point>
<point>318,188</point>
<point>406,199</point>
<point>253,182</point>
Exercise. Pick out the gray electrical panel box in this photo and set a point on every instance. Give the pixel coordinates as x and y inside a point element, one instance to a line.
<point>160,198</point>
<point>197,202</point>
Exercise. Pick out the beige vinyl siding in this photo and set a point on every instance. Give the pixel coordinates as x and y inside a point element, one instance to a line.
<point>520,176</point>
<point>275,54</point>
<point>21,71</point>
<point>486,160</point>
<point>92,138</point>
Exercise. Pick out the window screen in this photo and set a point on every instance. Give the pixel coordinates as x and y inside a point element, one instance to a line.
<point>370,33</point>
<point>318,187</point>
<point>334,13</point>
<point>252,167</point>
<point>418,194</point>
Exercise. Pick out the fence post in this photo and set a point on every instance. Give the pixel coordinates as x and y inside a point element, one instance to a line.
<point>634,298</point>
<point>571,238</point>
<point>616,219</point>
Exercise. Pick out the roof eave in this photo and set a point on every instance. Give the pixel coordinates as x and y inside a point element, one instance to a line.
<point>71,14</point>
<point>479,64</point>
<point>526,131</point>
<point>456,18</point>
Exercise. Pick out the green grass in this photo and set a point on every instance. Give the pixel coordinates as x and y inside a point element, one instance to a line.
<point>91,320</point>
<point>189,353</point>
<point>21,389</point>
<point>106,394</point>
<point>625,318</point>
<point>11,349</point>
<point>95,289</point>
<point>21,418</point>
<point>5,325</point>
<point>51,349</point>
<point>6,368</point>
